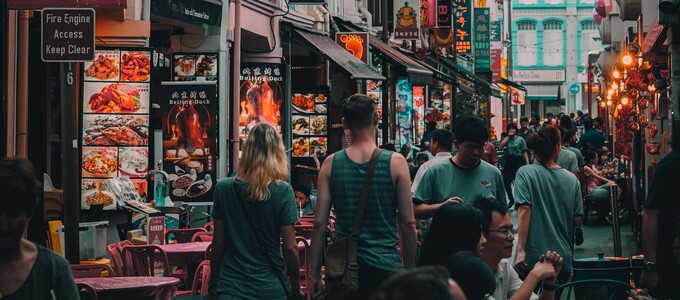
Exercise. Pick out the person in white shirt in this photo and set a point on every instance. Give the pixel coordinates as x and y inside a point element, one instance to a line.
<point>499,232</point>
<point>440,146</point>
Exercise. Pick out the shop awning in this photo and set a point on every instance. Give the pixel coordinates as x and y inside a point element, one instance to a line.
<point>463,74</point>
<point>655,37</point>
<point>332,51</point>
<point>514,85</point>
<point>39,4</point>
<point>439,75</point>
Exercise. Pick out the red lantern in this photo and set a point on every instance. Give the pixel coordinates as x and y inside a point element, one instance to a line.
<point>644,122</point>
<point>653,130</point>
<point>643,104</point>
<point>634,126</point>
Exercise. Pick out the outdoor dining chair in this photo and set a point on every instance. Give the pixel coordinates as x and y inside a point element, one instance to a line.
<point>86,291</point>
<point>91,270</point>
<point>201,279</point>
<point>202,236</point>
<point>183,235</point>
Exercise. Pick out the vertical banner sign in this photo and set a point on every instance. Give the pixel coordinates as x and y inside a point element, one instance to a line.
<point>463,26</point>
<point>262,90</point>
<point>419,112</point>
<point>443,35</point>
<point>482,43</point>
<point>354,42</point>
<point>115,123</point>
<point>444,13</point>
<point>190,139</point>
<point>406,21</point>
<point>404,111</point>
<point>428,13</point>
<point>496,65</point>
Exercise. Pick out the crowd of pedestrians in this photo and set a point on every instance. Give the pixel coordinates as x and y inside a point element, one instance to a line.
<point>438,230</point>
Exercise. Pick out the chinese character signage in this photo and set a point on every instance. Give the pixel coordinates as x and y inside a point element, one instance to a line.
<point>189,111</point>
<point>463,27</point>
<point>406,21</point>
<point>496,65</point>
<point>428,13</point>
<point>262,91</point>
<point>115,123</point>
<point>355,42</point>
<point>444,13</point>
<point>404,112</point>
<point>482,42</point>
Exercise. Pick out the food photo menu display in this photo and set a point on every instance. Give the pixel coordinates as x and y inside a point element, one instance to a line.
<point>310,123</point>
<point>115,123</point>
<point>194,66</point>
<point>189,111</point>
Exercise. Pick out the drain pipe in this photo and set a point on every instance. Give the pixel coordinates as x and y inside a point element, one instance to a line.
<point>22,87</point>
<point>10,115</point>
<point>223,97</point>
<point>236,92</point>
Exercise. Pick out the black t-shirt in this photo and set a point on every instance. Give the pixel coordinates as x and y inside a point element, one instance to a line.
<point>663,195</point>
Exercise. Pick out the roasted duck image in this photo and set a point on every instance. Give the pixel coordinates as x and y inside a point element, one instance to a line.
<point>116,98</point>
<point>263,106</point>
<point>190,130</point>
<point>109,130</point>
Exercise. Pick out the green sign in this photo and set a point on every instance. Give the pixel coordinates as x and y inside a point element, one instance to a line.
<point>482,35</point>
<point>192,11</point>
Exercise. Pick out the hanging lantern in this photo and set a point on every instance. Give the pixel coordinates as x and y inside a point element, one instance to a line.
<point>634,126</point>
<point>634,94</point>
<point>632,111</point>
<point>653,130</point>
<point>652,148</point>
<point>643,104</point>
<point>643,121</point>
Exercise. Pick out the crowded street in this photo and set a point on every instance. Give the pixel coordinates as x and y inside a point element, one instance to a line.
<point>340,149</point>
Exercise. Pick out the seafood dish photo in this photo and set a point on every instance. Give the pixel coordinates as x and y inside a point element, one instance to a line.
<point>301,147</point>
<point>133,161</point>
<point>318,146</point>
<point>300,125</point>
<point>109,130</point>
<point>320,108</point>
<point>103,68</point>
<point>199,187</point>
<point>95,192</point>
<point>115,98</point>
<point>100,161</point>
<point>135,67</point>
<point>303,102</point>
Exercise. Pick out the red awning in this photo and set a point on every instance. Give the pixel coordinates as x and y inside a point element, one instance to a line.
<point>40,4</point>
<point>655,37</point>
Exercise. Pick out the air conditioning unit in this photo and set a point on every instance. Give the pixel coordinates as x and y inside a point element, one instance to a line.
<point>630,9</point>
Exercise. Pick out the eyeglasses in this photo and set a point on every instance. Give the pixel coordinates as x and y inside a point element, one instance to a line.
<point>506,232</point>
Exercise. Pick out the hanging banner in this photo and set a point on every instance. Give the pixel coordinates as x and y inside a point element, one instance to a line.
<point>496,65</point>
<point>404,96</point>
<point>115,123</point>
<point>189,111</point>
<point>406,25</point>
<point>463,26</point>
<point>419,113</point>
<point>482,41</point>
<point>355,42</point>
<point>443,37</point>
<point>262,91</point>
<point>444,13</point>
<point>428,13</point>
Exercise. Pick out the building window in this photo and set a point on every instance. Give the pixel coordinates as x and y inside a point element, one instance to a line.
<point>528,1</point>
<point>590,40</point>
<point>553,41</point>
<point>586,1</point>
<point>554,1</point>
<point>527,49</point>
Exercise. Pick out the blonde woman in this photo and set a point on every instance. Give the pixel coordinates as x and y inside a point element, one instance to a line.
<point>252,213</point>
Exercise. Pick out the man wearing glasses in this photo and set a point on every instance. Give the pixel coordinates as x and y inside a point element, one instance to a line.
<point>500,235</point>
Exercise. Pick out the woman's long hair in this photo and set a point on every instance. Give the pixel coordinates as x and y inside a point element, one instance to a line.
<point>455,227</point>
<point>263,160</point>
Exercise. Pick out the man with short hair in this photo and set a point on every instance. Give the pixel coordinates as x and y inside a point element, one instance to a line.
<point>500,235</point>
<point>535,122</point>
<point>440,145</point>
<point>591,136</point>
<point>421,159</point>
<point>464,178</point>
<point>305,202</point>
<point>388,209</point>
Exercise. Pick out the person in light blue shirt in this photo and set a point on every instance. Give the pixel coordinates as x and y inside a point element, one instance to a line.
<point>304,200</point>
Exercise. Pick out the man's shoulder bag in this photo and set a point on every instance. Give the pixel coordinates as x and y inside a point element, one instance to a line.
<point>342,268</point>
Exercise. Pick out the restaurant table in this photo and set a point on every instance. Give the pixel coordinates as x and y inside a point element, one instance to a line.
<point>183,254</point>
<point>129,288</point>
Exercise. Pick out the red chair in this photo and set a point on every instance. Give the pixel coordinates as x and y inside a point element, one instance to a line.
<point>140,259</point>
<point>208,252</point>
<point>202,237</point>
<point>210,226</point>
<point>91,270</point>
<point>183,235</point>
<point>305,266</point>
<point>115,251</point>
<point>201,279</point>
<point>86,291</point>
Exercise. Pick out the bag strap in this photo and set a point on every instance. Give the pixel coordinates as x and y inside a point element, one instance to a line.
<point>258,233</point>
<point>363,199</point>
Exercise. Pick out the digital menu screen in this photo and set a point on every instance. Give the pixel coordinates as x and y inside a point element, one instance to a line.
<point>115,123</point>
<point>262,91</point>
<point>310,123</point>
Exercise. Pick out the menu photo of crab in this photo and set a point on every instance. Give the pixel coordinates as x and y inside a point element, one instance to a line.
<point>189,111</point>
<point>116,98</point>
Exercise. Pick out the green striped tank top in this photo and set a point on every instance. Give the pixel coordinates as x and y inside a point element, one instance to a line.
<point>379,238</point>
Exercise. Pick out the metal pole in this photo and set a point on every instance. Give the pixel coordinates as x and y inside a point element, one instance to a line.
<point>236,92</point>
<point>71,160</point>
<point>590,90</point>
<point>616,230</point>
<point>22,87</point>
<point>508,66</point>
<point>386,73</point>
